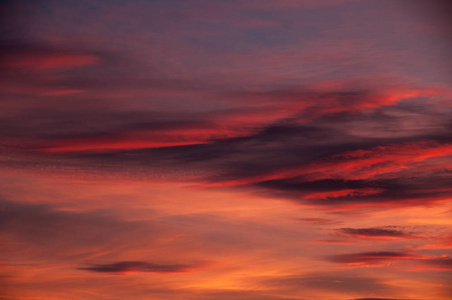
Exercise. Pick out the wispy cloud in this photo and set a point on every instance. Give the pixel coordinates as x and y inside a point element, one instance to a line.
<point>381,232</point>
<point>372,257</point>
<point>383,258</point>
<point>137,266</point>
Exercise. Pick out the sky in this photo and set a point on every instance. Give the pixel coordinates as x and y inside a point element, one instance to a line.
<point>236,150</point>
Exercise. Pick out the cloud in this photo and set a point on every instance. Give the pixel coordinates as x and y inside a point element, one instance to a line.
<point>321,221</point>
<point>40,58</point>
<point>380,232</point>
<point>382,162</point>
<point>437,263</point>
<point>333,160</point>
<point>138,139</point>
<point>381,258</point>
<point>330,104</point>
<point>345,193</point>
<point>137,266</point>
<point>309,103</point>
<point>317,165</point>
<point>226,136</point>
<point>372,257</point>
<point>429,187</point>
<point>439,245</point>
<point>379,299</point>
<point>332,242</point>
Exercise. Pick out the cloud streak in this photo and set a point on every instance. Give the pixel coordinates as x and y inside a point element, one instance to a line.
<point>44,59</point>
<point>382,258</point>
<point>372,257</point>
<point>374,233</point>
<point>137,266</point>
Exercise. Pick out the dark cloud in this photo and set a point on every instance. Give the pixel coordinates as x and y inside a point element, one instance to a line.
<point>398,190</point>
<point>332,242</point>
<point>442,263</point>
<point>320,221</point>
<point>298,184</point>
<point>236,159</point>
<point>137,266</point>
<point>232,159</point>
<point>372,257</point>
<point>373,232</point>
<point>94,132</point>
<point>420,261</point>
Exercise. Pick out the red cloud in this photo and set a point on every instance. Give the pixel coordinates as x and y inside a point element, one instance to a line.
<point>382,162</point>
<point>445,244</point>
<point>117,143</point>
<point>312,103</point>
<point>379,163</point>
<point>142,139</point>
<point>49,61</point>
<point>344,193</point>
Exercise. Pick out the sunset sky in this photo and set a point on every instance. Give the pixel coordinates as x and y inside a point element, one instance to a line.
<point>226,149</point>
